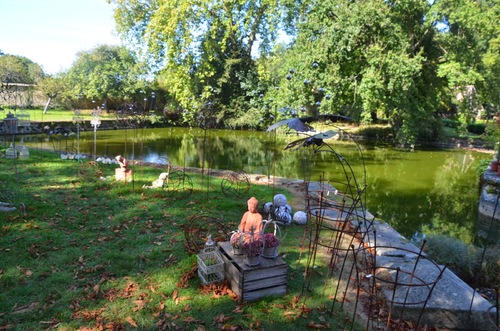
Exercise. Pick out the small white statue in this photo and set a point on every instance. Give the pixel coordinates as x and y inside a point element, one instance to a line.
<point>158,183</point>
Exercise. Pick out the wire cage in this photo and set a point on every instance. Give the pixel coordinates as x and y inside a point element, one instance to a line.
<point>210,264</point>
<point>400,288</point>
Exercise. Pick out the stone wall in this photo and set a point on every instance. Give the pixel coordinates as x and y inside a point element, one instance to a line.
<point>488,221</point>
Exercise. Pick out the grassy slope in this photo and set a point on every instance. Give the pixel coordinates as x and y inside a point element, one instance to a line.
<point>92,254</point>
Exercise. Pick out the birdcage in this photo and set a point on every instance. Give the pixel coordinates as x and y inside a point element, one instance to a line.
<point>10,124</point>
<point>210,264</point>
<point>11,152</point>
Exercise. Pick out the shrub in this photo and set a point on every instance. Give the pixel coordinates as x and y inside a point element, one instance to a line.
<point>450,123</point>
<point>458,256</point>
<point>477,128</point>
<point>488,272</point>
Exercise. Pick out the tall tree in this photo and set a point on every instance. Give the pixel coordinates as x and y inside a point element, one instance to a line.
<point>202,49</point>
<point>51,87</point>
<point>105,74</point>
<point>470,39</point>
<point>366,59</point>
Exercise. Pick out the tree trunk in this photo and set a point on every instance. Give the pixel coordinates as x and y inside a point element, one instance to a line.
<point>46,106</point>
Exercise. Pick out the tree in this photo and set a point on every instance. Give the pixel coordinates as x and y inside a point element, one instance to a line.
<point>470,39</point>
<point>51,86</point>
<point>105,74</point>
<point>365,59</point>
<point>202,50</point>
<point>15,72</point>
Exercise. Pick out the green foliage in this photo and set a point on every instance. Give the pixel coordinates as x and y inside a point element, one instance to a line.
<point>478,266</point>
<point>458,256</point>
<point>362,59</point>
<point>487,266</point>
<point>200,50</point>
<point>15,70</point>
<point>104,75</point>
<point>449,123</point>
<point>375,132</point>
<point>477,128</point>
<point>18,69</point>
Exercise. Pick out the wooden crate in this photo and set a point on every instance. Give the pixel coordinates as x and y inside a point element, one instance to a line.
<point>252,283</point>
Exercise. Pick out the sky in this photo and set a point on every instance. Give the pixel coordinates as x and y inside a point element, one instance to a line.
<point>52,32</point>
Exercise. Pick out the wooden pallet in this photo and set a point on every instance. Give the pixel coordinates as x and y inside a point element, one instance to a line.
<point>252,283</point>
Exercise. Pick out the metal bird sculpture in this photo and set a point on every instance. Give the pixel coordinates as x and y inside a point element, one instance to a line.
<point>297,124</point>
<point>301,124</point>
<point>316,140</point>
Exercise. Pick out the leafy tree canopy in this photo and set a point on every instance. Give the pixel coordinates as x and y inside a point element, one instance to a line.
<point>201,49</point>
<point>19,69</point>
<point>390,59</point>
<point>105,73</point>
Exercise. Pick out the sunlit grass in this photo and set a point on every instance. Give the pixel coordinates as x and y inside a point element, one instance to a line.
<point>92,252</point>
<point>58,115</point>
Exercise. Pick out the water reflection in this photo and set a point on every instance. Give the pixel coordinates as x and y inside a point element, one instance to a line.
<point>429,190</point>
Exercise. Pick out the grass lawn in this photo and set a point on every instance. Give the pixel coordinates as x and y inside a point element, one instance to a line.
<point>57,115</point>
<point>96,254</point>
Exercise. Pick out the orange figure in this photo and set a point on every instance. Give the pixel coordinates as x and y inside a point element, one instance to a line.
<point>252,219</point>
<point>122,173</point>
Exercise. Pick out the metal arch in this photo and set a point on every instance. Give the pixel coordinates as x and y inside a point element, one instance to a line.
<point>235,184</point>
<point>178,184</point>
<point>199,226</point>
<point>90,170</point>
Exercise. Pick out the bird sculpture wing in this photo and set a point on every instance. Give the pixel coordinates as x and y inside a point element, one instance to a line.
<point>293,123</point>
<point>335,118</point>
<point>316,139</point>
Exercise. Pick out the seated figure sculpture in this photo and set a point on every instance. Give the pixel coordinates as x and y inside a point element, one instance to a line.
<point>252,219</point>
<point>122,173</point>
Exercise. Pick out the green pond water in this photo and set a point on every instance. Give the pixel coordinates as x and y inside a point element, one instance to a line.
<point>429,190</point>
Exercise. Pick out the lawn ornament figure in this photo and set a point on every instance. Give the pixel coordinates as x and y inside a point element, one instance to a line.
<point>122,173</point>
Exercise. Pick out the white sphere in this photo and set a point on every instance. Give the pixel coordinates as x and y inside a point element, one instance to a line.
<point>282,215</point>
<point>268,207</point>
<point>279,200</point>
<point>300,217</point>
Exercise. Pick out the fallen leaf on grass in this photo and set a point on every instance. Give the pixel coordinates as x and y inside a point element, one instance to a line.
<point>25,309</point>
<point>25,272</point>
<point>221,318</point>
<point>238,309</point>
<point>317,326</point>
<point>130,321</point>
<point>190,319</point>
<point>175,295</point>
<point>139,304</point>
<point>52,323</point>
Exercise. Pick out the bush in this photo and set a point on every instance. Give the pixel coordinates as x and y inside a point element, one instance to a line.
<point>375,132</point>
<point>488,272</point>
<point>450,123</point>
<point>458,256</point>
<point>477,128</point>
<point>465,260</point>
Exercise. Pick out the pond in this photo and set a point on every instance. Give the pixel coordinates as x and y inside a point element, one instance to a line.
<point>413,190</point>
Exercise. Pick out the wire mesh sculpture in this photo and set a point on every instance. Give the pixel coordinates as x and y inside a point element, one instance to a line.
<point>341,237</point>
<point>199,226</point>
<point>235,184</point>
<point>178,184</point>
